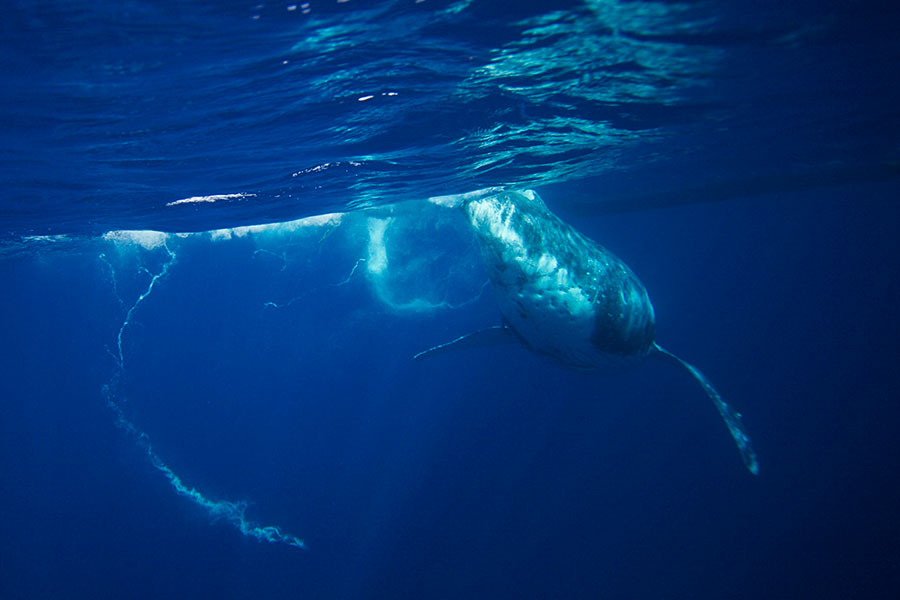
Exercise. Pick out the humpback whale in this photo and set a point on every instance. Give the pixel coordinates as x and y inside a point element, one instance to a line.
<point>564,296</point>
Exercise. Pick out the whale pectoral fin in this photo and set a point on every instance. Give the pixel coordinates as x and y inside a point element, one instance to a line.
<point>731,417</point>
<point>498,335</point>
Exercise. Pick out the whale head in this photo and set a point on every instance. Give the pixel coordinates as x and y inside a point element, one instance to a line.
<point>563,294</point>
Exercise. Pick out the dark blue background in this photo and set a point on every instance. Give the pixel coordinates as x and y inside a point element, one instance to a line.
<point>493,472</point>
<point>767,241</point>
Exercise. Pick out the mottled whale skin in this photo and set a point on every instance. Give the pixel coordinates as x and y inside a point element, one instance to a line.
<point>566,297</point>
<point>563,294</point>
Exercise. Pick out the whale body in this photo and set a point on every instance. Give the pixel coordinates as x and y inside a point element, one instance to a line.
<point>564,296</point>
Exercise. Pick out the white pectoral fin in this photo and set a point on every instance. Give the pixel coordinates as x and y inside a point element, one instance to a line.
<point>731,417</point>
<point>498,335</point>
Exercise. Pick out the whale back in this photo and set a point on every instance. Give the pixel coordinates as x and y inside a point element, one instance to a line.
<point>563,294</point>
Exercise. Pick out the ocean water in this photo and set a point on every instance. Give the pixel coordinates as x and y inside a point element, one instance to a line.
<point>218,258</point>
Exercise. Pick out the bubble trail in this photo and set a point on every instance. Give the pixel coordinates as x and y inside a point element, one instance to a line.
<point>306,294</point>
<point>229,511</point>
<point>350,276</point>
<point>153,279</point>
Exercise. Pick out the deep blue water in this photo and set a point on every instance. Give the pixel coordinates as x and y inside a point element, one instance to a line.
<point>742,158</point>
